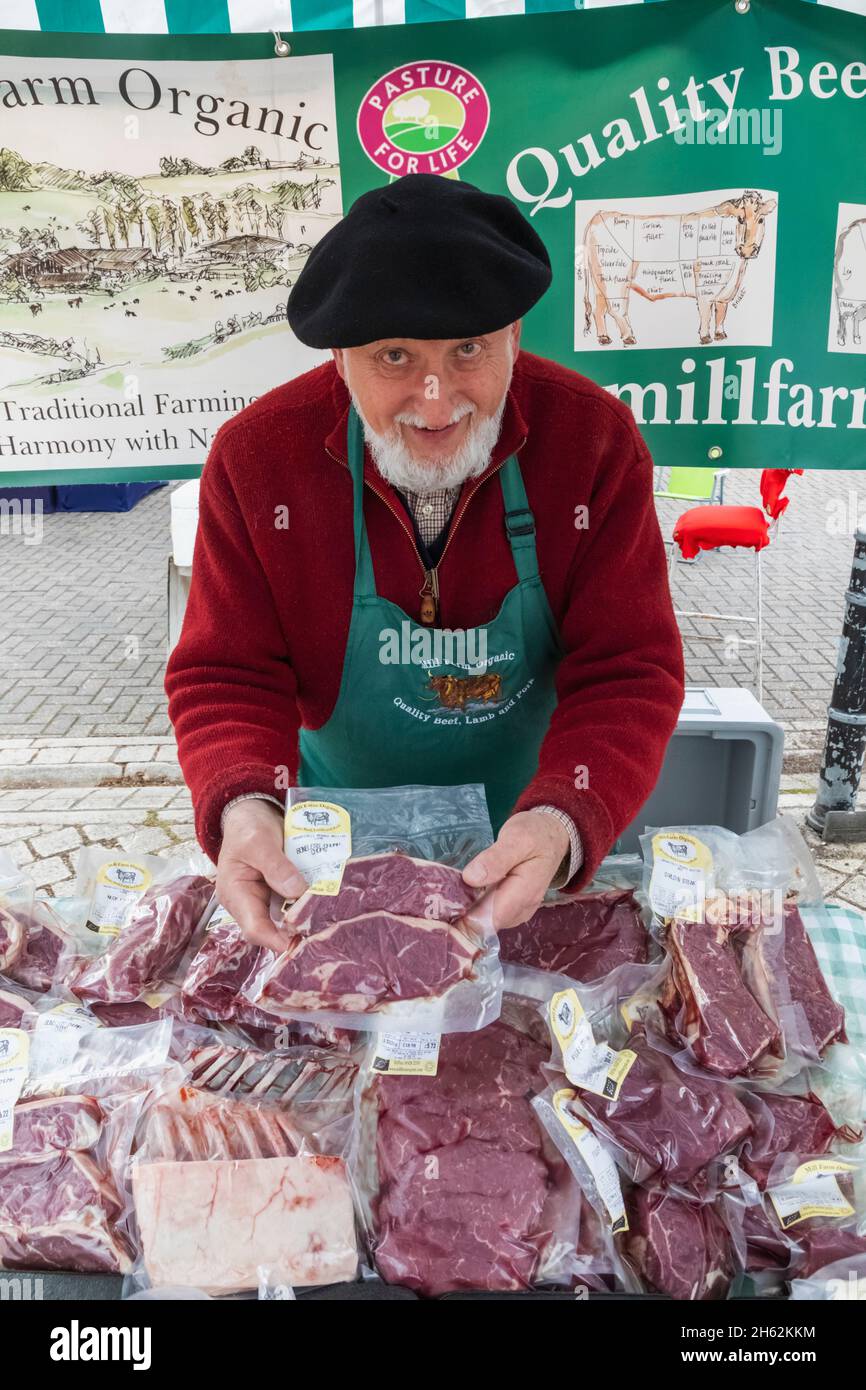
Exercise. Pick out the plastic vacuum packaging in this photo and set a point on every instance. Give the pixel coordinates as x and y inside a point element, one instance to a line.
<point>458,1184</point>
<point>819,1201</point>
<point>385,938</point>
<point>664,1120</point>
<point>746,995</point>
<point>679,1246</point>
<point>17,1009</point>
<point>64,1202</point>
<point>313,1085</point>
<point>213,991</point>
<point>34,944</point>
<point>584,937</point>
<point>149,932</point>
<point>667,1242</point>
<point>223,1185</point>
<point>788,1122</point>
<point>843,1280</point>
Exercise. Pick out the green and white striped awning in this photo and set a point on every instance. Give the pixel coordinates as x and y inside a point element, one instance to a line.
<point>254,16</point>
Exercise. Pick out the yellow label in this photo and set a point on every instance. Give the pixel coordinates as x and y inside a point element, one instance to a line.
<point>619,1070</point>
<point>682,875</point>
<point>155,1001</point>
<point>596,1158</point>
<point>816,1166</point>
<point>812,1191</point>
<point>318,841</point>
<point>561,1102</point>
<point>566,1012</point>
<point>14,1065</point>
<point>119,885</point>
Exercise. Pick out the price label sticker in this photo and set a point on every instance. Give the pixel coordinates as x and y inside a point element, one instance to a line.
<point>407,1054</point>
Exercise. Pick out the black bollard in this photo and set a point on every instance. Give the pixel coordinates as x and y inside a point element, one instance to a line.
<point>833,814</point>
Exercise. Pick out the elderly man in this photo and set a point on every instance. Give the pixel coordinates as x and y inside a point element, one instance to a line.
<point>430,482</point>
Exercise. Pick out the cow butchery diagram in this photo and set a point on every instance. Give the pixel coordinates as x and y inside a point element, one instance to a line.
<point>676,271</point>
<point>848,307</point>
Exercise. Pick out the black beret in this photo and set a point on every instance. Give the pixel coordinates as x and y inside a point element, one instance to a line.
<point>425,257</point>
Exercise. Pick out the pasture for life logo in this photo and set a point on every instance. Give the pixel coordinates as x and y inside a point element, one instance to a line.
<point>423,118</point>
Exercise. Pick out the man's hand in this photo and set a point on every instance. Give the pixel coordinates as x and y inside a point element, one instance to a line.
<point>519,866</point>
<point>251,863</point>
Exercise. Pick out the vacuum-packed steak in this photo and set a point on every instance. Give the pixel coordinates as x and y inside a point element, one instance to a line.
<point>585,937</point>
<point>776,972</point>
<point>671,1123</point>
<point>469,1193</point>
<point>149,946</point>
<point>679,1247</point>
<point>394,932</point>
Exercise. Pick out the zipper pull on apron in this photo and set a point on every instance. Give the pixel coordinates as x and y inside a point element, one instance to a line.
<point>429,592</point>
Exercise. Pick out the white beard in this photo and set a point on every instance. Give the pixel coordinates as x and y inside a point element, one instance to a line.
<point>399,467</point>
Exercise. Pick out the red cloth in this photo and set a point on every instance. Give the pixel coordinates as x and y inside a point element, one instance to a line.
<point>706,528</point>
<point>773,484</point>
<point>268,615</point>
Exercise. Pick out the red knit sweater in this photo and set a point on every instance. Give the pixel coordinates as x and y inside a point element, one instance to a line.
<point>265,630</point>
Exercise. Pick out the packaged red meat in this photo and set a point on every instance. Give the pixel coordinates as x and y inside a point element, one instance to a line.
<point>315,1086</point>
<point>783,973</point>
<point>664,1122</point>
<point>746,994</point>
<point>208,1163</point>
<point>33,941</point>
<point>354,960</point>
<point>151,944</point>
<point>385,937</point>
<point>788,1123</point>
<point>459,1184</point>
<point>819,1202</point>
<point>708,1003</point>
<point>16,1009</point>
<point>64,1200</point>
<point>678,1246</point>
<point>584,937</point>
<point>214,985</point>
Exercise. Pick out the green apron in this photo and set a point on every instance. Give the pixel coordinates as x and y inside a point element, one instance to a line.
<point>406,714</point>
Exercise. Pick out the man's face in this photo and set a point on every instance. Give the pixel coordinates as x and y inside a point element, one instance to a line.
<point>432,392</point>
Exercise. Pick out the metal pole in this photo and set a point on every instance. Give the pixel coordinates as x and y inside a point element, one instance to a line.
<point>834,813</point>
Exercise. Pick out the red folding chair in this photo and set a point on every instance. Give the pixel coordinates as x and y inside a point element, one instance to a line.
<point>745,528</point>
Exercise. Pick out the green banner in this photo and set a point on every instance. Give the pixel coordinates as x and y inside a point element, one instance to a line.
<point>696,173</point>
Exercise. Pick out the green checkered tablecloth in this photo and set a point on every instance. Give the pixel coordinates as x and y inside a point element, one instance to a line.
<point>839,937</point>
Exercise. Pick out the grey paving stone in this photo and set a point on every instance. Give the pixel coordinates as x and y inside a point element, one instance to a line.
<point>55,842</point>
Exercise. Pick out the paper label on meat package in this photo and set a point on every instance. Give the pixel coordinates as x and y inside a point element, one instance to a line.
<point>593,1066</point>
<point>407,1054</point>
<point>14,1060</point>
<point>220,917</point>
<point>812,1191</point>
<point>318,841</point>
<point>119,885</point>
<point>55,1039</point>
<point>682,875</point>
<point>596,1158</point>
